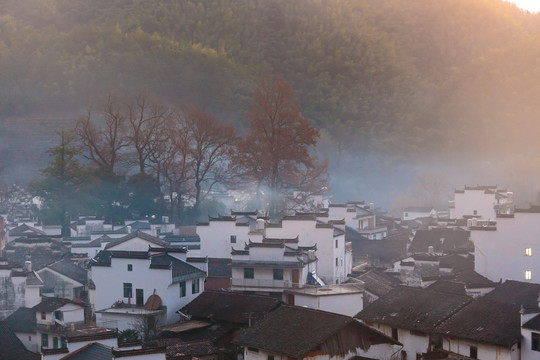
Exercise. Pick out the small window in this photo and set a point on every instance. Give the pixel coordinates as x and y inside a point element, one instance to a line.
<point>535,341</point>
<point>278,274</point>
<point>528,251</point>
<point>394,333</point>
<point>43,316</point>
<point>475,212</point>
<point>473,353</point>
<point>337,262</point>
<point>406,214</point>
<point>55,342</point>
<point>59,315</point>
<point>195,286</point>
<point>44,340</point>
<point>233,239</point>
<point>128,290</point>
<point>30,338</point>
<point>63,342</point>
<point>528,275</point>
<point>337,243</point>
<point>182,288</point>
<point>249,273</point>
<point>130,267</point>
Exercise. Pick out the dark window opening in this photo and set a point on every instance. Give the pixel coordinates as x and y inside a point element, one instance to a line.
<point>233,239</point>
<point>395,333</point>
<point>473,352</point>
<point>139,297</point>
<point>278,274</point>
<point>535,341</point>
<point>128,293</point>
<point>249,273</point>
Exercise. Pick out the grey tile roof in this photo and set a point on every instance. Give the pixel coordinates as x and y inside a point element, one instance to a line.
<point>92,351</point>
<point>413,308</point>
<point>179,267</point>
<point>442,240</point>
<point>230,307</point>
<point>49,304</point>
<point>11,348</point>
<point>69,269</point>
<point>137,234</point>
<point>485,321</point>
<point>22,320</point>
<point>295,331</point>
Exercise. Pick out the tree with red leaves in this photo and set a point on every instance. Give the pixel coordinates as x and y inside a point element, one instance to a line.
<point>276,151</point>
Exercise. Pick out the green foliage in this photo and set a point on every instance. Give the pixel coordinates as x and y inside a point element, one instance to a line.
<point>395,77</point>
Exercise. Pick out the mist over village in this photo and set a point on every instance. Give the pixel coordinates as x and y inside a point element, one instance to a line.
<point>269,179</point>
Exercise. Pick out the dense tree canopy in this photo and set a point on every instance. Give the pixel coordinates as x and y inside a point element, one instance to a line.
<point>404,79</point>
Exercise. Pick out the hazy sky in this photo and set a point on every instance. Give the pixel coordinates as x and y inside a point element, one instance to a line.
<point>531,5</point>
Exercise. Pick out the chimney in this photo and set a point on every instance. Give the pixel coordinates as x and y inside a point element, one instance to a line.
<point>430,250</point>
<point>260,224</point>
<point>28,265</point>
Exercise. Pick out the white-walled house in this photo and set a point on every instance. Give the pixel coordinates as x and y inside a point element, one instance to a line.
<point>416,212</point>
<point>131,285</point>
<point>301,333</point>
<point>19,287</point>
<point>332,266</point>
<point>272,266</point>
<point>344,299</point>
<point>483,202</point>
<point>219,234</point>
<point>508,248</point>
<point>65,279</point>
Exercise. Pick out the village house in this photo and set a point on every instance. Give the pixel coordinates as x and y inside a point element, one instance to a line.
<point>418,212</point>
<point>300,333</point>
<point>483,202</point>
<point>41,250</point>
<point>271,266</point>
<point>360,217</point>
<point>211,321</point>
<point>133,285</point>
<point>12,348</point>
<point>507,248</point>
<point>64,279</point>
<point>334,258</point>
<point>411,315</point>
<point>376,283</point>
<point>19,286</point>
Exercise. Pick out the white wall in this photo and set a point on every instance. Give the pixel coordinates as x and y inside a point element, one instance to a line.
<point>500,254</point>
<point>470,200</point>
<point>309,235</point>
<point>381,352</point>
<point>485,351</point>
<point>110,285</point>
<point>216,238</point>
<point>348,304</point>
<point>412,344</point>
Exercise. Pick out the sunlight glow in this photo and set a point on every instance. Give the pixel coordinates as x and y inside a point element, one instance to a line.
<point>530,5</point>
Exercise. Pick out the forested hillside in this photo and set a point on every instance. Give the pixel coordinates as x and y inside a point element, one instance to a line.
<point>403,79</point>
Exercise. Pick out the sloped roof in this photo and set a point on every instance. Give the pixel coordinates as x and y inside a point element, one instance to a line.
<point>33,279</point>
<point>49,304</point>
<point>283,331</point>
<point>69,269</point>
<point>12,348</point>
<point>442,240</point>
<point>25,229</point>
<point>22,320</point>
<point>377,282</point>
<point>231,307</point>
<point>137,234</point>
<point>422,209</point>
<point>413,308</point>
<point>533,324</point>
<point>448,286</point>
<point>179,267</point>
<point>92,351</point>
<point>386,250</point>
<point>140,225</point>
<point>517,293</point>
<point>486,321</point>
